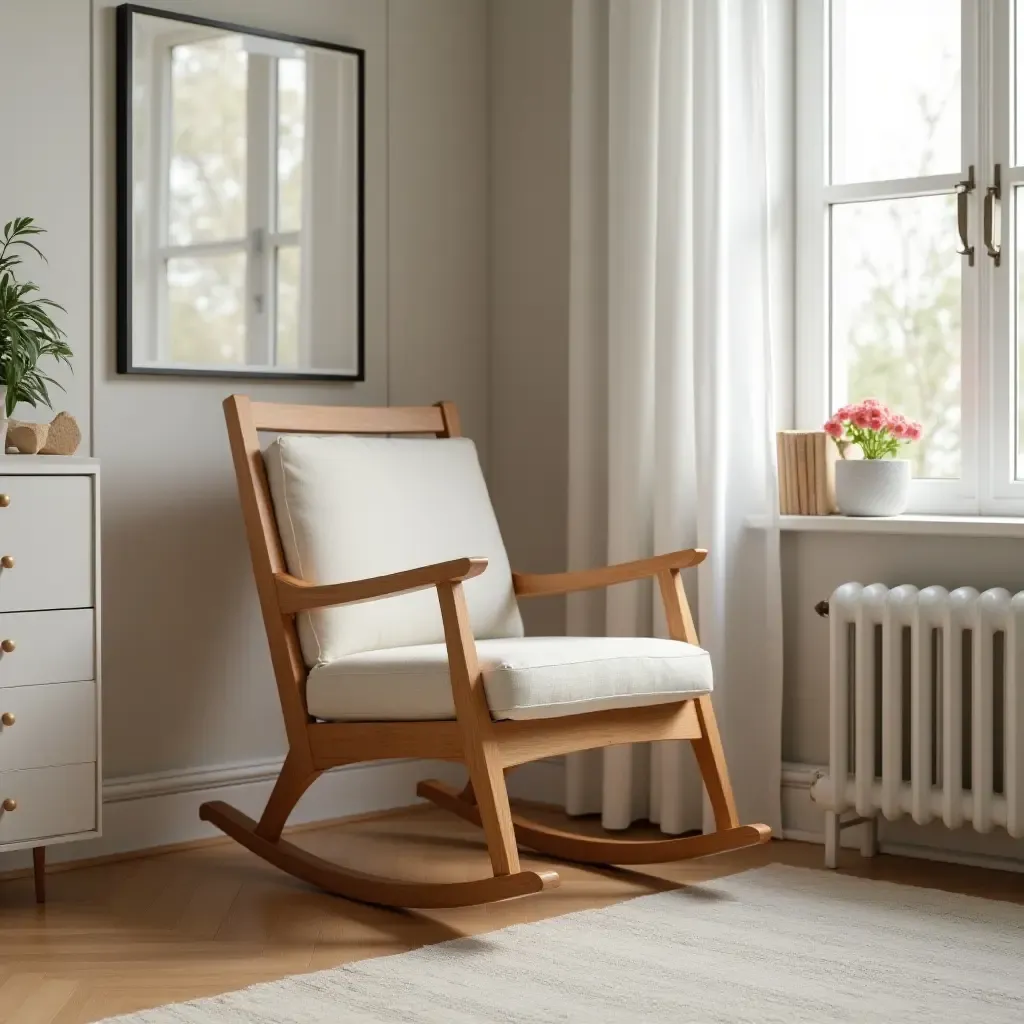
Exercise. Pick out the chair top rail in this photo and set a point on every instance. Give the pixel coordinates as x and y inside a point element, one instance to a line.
<point>347,419</point>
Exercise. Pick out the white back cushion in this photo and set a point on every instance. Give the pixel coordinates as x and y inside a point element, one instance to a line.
<point>352,507</point>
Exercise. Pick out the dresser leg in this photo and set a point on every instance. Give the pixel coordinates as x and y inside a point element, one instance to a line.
<point>39,870</point>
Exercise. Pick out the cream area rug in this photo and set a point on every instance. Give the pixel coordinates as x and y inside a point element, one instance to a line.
<point>775,944</point>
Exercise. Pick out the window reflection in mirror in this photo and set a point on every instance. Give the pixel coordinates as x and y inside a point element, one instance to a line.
<point>244,189</point>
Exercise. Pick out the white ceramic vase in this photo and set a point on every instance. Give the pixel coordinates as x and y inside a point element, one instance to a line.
<point>872,487</point>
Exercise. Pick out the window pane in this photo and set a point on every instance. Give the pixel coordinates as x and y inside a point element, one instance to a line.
<point>206,305</point>
<point>208,141</point>
<point>896,301</point>
<point>288,263</point>
<point>291,133</point>
<point>895,89</point>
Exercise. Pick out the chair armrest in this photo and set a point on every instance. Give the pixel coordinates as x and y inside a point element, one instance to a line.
<point>536,584</point>
<point>295,595</point>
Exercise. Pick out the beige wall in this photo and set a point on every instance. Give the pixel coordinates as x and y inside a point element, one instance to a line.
<point>531,64</point>
<point>44,167</point>
<point>186,675</point>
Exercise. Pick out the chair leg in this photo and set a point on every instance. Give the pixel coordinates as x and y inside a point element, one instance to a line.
<point>713,769</point>
<point>480,748</point>
<point>297,775</point>
<point>488,781</point>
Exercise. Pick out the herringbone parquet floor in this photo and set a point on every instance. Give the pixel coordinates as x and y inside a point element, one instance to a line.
<point>118,937</point>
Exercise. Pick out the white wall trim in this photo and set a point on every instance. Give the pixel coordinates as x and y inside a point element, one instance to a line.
<point>157,784</point>
<point>142,812</point>
<point>162,809</point>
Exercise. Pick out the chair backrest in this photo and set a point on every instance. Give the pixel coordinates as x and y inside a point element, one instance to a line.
<point>334,508</point>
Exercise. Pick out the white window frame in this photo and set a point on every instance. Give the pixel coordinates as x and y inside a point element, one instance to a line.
<point>988,484</point>
<point>262,241</point>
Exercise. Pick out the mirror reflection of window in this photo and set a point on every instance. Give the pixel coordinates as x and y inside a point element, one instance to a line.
<point>206,187</point>
<point>243,256</point>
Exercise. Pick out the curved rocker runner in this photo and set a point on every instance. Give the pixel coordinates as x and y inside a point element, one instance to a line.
<point>423,663</point>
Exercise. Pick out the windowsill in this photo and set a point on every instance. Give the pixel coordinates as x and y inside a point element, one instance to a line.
<point>915,525</point>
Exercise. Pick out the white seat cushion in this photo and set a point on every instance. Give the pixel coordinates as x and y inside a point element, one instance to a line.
<point>524,677</point>
<point>350,507</point>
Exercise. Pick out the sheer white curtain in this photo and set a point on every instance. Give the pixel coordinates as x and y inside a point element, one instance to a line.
<point>671,419</point>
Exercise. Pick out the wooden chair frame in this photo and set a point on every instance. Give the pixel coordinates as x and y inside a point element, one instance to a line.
<point>486,747</point>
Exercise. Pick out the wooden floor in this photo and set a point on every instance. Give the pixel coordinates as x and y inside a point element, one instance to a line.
<point>120,937</point>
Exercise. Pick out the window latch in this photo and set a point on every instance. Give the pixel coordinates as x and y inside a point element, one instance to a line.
<point>963,190</point>
<point>993,226</point>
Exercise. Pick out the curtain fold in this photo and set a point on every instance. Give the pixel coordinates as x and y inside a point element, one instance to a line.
<point>683,354</point>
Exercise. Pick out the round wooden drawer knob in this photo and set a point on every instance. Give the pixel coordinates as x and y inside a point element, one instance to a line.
<point>7,646</point>
<point>10,804</point>
<point>7,561</point>
<point>7,719</point>
<point>5,500</point>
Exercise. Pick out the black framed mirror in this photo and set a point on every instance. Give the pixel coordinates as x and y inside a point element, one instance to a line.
<point>240,200</point>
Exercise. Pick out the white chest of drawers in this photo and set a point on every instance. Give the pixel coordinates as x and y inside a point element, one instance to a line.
<point>50,778</point>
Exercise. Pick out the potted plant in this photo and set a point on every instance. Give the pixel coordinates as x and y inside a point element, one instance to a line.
<point>878,484</point>
<point>28,335</point>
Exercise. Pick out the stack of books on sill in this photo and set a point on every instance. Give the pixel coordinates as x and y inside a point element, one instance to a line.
<point>807,474</point>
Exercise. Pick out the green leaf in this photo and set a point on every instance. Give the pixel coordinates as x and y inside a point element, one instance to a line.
<point>28,333</point>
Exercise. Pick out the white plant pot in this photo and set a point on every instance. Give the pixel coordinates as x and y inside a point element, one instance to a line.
<point>872,487</point>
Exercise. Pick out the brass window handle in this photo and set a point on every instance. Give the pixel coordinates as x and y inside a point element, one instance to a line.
<point>963,190</point>
<point>993,219</point>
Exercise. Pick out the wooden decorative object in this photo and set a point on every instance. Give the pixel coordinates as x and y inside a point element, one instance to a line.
<point>488,748</point>
<point>806,464</point>
<point>28,438</point>
<point>61,436</point>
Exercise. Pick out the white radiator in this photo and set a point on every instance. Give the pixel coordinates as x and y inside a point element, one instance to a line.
<point>926,710</point>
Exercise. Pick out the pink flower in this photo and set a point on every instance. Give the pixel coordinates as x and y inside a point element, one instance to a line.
<point>877,419</point>
<point>871,403</point>
<point>898,426</point>
<point>913,431</point>
<point>845,414</point>
<point>861,417</point>
<point>834,427</point>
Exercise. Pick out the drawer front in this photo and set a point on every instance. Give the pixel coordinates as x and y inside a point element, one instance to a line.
<point>50,802</point>
<point>50,725</point>
<point>47,528</point>
<point>49,647</point>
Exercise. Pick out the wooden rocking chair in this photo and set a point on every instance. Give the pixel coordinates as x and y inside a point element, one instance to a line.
<point>337,523</point>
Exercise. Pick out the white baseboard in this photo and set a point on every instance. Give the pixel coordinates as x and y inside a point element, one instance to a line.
<point>146,811</point>
<point>804,821</point>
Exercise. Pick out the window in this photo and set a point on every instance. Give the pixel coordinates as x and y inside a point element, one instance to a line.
<point>225,158</point>
<point>909,160</point>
